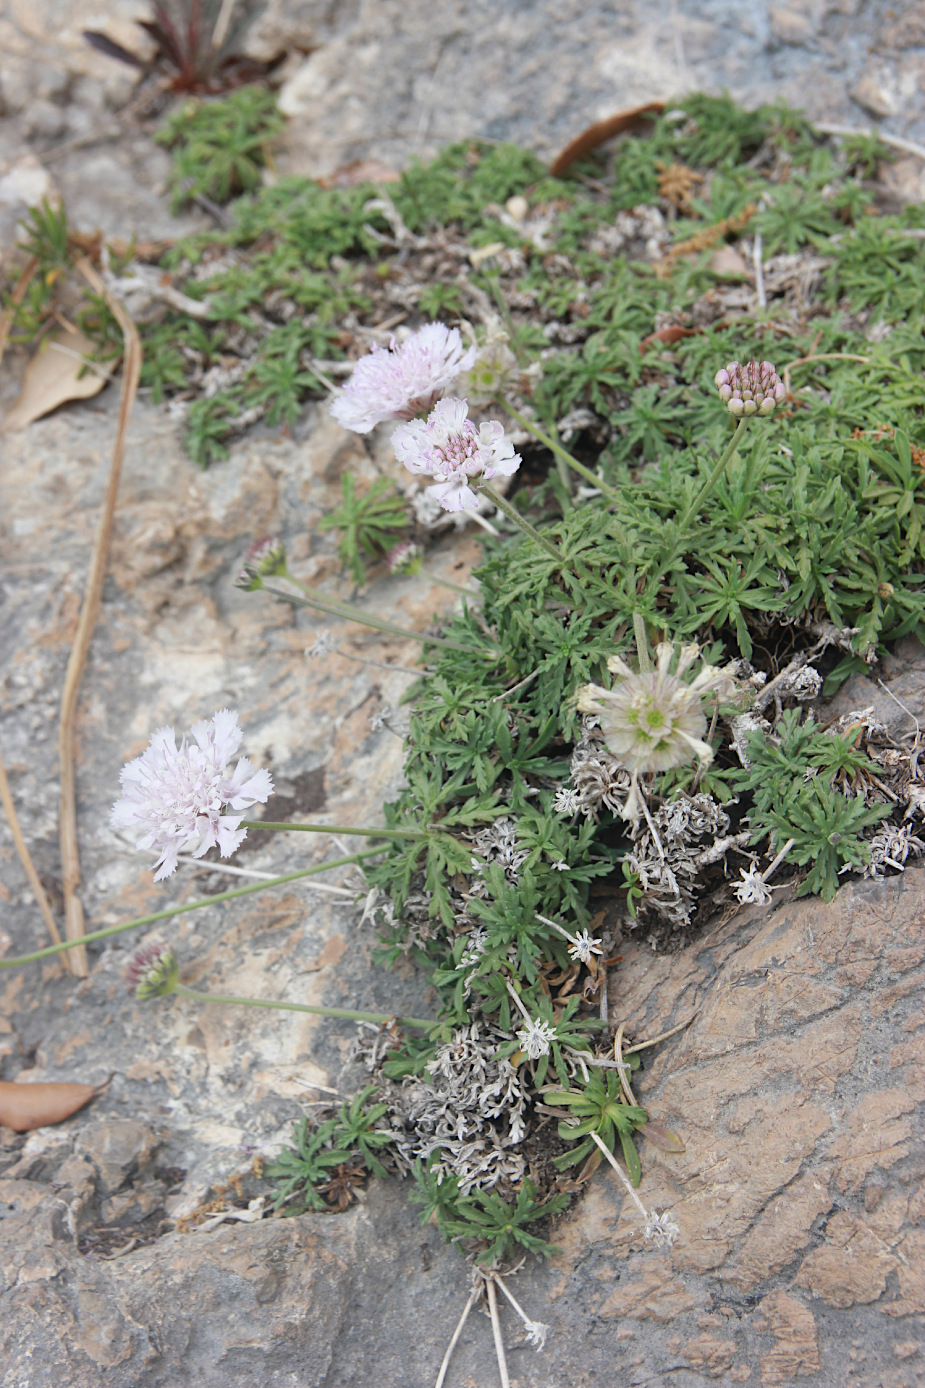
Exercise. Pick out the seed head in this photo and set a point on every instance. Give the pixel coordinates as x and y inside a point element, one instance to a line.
<point>654,720</point>
<point>153,972</point>
<point>754,388</point>
<point>493,373</point>
<point>536,1037</point>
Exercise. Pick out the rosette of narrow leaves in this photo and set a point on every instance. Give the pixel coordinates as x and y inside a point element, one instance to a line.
<point>301,1169</point>
<point>305,1167</point>
<point>368,524</point>
<point>599,1109</point>
<point>486,1218</point>
<point>826,828</point>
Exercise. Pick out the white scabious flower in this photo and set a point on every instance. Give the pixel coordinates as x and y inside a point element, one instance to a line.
<point>450,448</point>
<point>536,1038</point>
<point>654,720</point>
<point>404,381</point>
<point>174,797</point>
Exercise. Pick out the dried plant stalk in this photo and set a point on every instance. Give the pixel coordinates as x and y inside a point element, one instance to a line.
<point>38,891</point>
<point>70,858</point>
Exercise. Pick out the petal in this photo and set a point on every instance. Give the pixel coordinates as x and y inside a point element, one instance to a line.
<point>702,749</point>
<point>618,666</point>
<point>448,416</point>
<point>229,837</point>
<point>251,788</point>
<point>413,447</point>
<point>455,495</point>
<point>228,736</point>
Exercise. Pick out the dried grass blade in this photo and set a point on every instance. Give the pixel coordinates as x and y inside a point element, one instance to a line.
<point>70,858</point>
<point>38,891</point>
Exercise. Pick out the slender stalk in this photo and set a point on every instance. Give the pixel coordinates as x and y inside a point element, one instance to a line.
<point>453,587</point>
<point>504,505</point>
<point>334,608</point>
<point>623,1176</point>
<point>38,891</point>
<point>445,1364</point>
<point>336,829</point>
<point>663,1036</point>
<point>319,1011</point>
<point>189,906</point>
<point>496,1330</point>
<point>642,644</point>
<point>561,452</point>
<point>707,488</point>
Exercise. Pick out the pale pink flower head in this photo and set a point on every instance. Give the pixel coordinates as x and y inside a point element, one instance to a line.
<point>174,797</point>
<point>404,381</point>
<point>449,447</point>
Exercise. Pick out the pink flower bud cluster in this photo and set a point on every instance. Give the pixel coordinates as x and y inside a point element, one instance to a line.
<point>754,388</point>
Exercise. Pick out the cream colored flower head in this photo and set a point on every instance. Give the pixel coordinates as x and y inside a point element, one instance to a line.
<point>654,720</point>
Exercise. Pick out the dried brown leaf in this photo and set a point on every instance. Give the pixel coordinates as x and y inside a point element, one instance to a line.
<point>663,1137</point>
<point>604,130</point>
<point>61,370</point>
<point>37,1105</point>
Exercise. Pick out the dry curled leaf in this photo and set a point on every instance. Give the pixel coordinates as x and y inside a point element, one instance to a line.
<point>601,132</point>
<point>37,1105</point>
<point>663,1137</point>
<point>61,370</point>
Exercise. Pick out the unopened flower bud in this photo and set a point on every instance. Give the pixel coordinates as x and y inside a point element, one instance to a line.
<point>405,558</point>
<point>266,558</point>
<point>153,973</point>
<point>754,388</point>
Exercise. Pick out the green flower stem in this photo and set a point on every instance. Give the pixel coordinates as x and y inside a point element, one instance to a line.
<point>707,488</point>
<point>498,500</point>
<point>642,645</point>
<point>453,587</point>
<point>334,608</point>
<point>561,452</point>
<point>337,829</point>
<point>345,1012</point>
<point>189,906</point>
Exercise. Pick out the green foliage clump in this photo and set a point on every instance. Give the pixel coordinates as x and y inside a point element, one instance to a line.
<point>220,146</point>
<point>497,1227</point>
<point>352,1137</point>
<point>369,524</point>
<point>808,785</point>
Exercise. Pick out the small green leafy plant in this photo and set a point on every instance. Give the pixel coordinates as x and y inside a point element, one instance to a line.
<point>304,1170</point>
<point>369,525</point>
<point>220,146</point>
